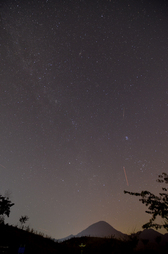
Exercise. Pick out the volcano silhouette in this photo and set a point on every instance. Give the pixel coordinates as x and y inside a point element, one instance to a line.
<point>101,229</point>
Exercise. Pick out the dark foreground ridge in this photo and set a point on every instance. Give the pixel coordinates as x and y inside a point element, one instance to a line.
<point>15,240</point>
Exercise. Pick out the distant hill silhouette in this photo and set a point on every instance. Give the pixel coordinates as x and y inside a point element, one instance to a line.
<point>149,234</point>
<point>151,239</point>
<point>101,229</point>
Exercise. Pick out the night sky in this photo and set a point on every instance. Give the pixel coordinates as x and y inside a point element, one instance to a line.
<point>83,110</point>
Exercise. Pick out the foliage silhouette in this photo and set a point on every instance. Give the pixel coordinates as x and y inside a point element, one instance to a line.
<point>5,206</point>
<point>23,220</point>
<point>157,205</point>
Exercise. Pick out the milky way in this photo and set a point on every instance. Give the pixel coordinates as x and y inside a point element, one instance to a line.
<point>84,110</point>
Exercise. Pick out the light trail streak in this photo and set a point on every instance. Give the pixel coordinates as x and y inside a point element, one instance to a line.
<point>126,176</point>
<point>2,165</point>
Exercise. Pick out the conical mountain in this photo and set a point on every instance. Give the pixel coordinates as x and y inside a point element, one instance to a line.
<point>101,229</point>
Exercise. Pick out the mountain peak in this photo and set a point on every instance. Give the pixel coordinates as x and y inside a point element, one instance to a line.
<point>101,229</point>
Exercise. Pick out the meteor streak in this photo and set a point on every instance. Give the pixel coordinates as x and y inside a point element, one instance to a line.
<point>2,165</point>
<point>126,176</point>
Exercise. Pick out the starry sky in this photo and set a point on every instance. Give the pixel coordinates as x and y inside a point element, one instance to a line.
<point>83,110</point>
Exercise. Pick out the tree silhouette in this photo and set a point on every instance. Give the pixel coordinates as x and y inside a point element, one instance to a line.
<point>5,205</point>
<point>23,220</point>
<point>157,205</point>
